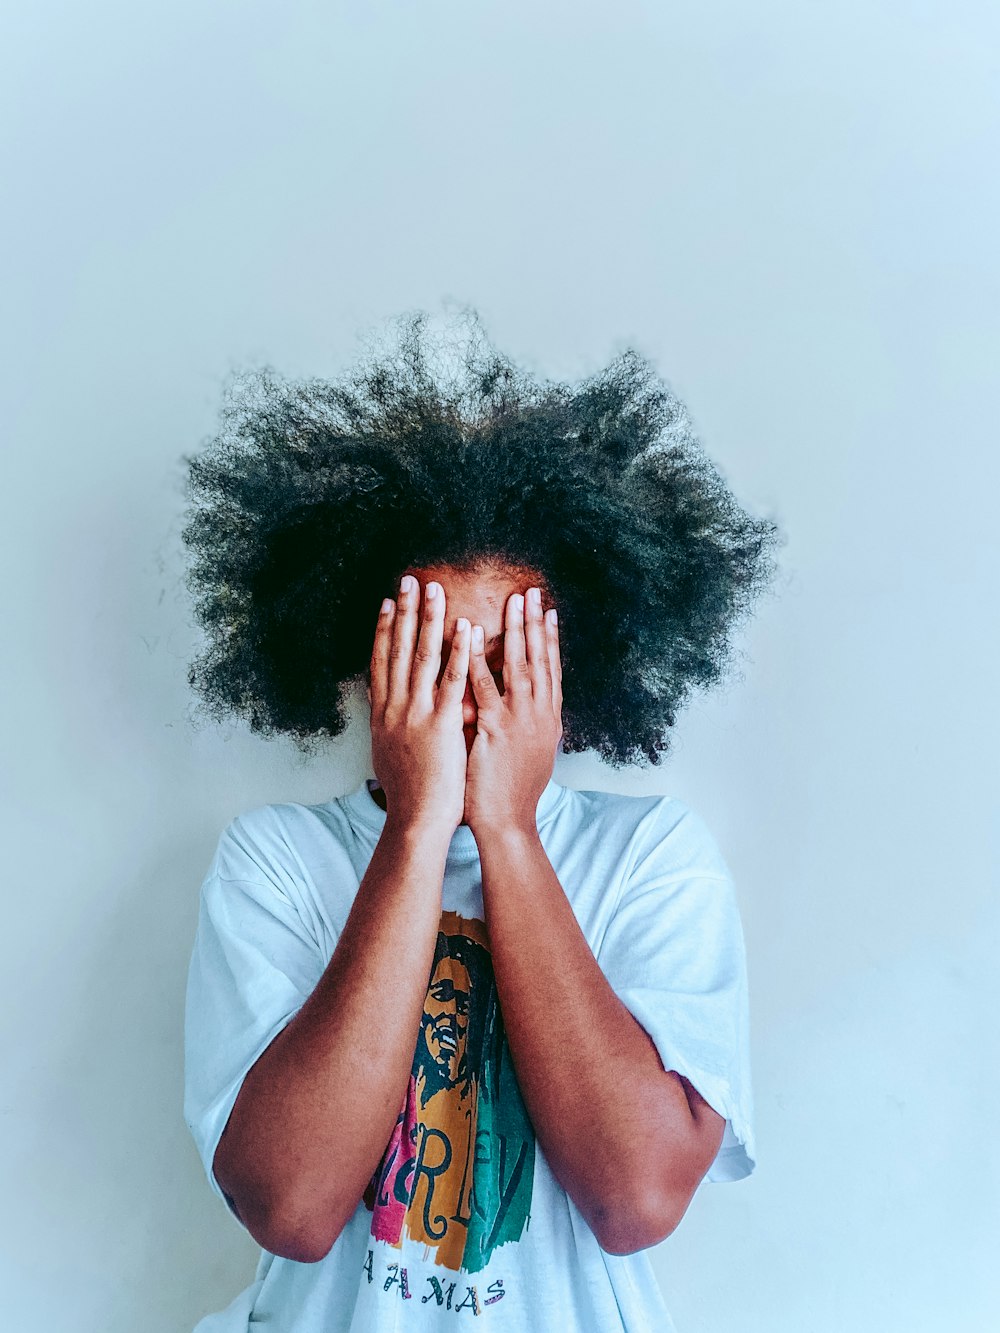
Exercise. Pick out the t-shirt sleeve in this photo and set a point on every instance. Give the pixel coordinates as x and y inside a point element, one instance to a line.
<point>253,966</point>
<point>674,954</point>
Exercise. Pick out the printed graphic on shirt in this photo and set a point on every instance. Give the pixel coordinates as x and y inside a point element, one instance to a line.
<point>396,1281</point>
<point>457,1172</point>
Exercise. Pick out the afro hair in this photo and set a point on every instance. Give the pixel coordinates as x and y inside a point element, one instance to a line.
<point>314,496</point>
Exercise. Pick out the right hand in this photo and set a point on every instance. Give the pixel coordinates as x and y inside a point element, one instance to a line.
<point>418,745</point>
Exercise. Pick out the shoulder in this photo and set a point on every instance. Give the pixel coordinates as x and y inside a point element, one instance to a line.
<point>660,827</point>
<point>252,838</point>
<point>272,844</point>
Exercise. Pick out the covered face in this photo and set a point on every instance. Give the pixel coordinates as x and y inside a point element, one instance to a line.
<point>481,596</point>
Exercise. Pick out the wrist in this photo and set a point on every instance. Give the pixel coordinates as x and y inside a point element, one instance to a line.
<point>428,833</point>
<point>511,833</point>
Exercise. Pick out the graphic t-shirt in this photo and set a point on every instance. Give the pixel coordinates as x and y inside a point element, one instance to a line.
<point>462,1219</point>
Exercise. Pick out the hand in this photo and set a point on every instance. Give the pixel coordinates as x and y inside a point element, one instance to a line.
<point>418,747</point>
<point>517,732</point>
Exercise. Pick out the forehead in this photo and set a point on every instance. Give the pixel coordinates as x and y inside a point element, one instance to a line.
<point>486,581</point>
<point>479,594</point>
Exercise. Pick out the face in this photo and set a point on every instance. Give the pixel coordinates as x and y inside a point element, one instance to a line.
<point>481,596</point>
<point>446,1016</point>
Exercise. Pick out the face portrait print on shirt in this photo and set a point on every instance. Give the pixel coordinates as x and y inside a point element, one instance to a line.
<point>441,1045</point>
<point>457,1173</point>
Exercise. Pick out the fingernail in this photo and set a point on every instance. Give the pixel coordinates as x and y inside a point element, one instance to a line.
<point>431,591</point>
<point>534,597</point>
<point>386,603</point>
<point>477,637</point>
<point>519,602</point>
<point>553,615</point>
<point>407,583</point>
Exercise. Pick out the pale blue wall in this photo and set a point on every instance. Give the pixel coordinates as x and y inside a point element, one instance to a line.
<point>793,210</point>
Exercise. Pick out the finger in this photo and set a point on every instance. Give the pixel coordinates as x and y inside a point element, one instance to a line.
<point>427,656</point>
<point>536,647</point>
<point>555,660</point>
<point>378,670</point>
<point>451,691</point>
<point>404,636</point>
<point>516,680</point>
<point>484,687</point>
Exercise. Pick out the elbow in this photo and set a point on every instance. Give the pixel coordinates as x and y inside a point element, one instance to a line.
<point>302,1247</point>
<point>629,1230</point>
<point>652,1208</point>
<point>631,1235</point>
<point>289,1237</point>
<point>277,1225</point>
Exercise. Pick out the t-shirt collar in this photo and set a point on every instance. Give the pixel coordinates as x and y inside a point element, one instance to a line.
<point>362,808</point>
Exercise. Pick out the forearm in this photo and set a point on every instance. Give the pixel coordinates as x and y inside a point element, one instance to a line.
<point>317,1109</point>
<point>613,1124</point>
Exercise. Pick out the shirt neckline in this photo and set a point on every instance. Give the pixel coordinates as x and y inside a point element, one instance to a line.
<point>362,808</point>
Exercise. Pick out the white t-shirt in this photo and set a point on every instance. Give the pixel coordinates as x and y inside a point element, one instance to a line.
<point>463,1217</point>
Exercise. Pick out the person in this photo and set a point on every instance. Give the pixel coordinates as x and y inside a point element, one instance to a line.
<point>464,1042</point>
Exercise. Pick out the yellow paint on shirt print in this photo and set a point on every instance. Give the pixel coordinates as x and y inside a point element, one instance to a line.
<point>457,1172</point>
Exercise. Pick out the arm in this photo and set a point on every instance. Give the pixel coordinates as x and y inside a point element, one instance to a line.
<point>318,1107</point>
<point>627,1140</point>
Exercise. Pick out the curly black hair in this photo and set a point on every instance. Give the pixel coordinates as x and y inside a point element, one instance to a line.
<point>314,496</point>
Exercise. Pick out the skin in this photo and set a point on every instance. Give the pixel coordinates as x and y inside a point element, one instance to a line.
<point>518,742</point>
<point>628,1140</point>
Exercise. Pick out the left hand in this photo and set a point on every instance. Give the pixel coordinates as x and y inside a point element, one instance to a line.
<point>517,732</point>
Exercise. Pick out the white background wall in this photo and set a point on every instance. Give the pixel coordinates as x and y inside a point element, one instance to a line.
<point>792,209</point>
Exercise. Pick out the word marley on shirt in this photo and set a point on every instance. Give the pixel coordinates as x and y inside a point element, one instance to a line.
<point>457,1172</point>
